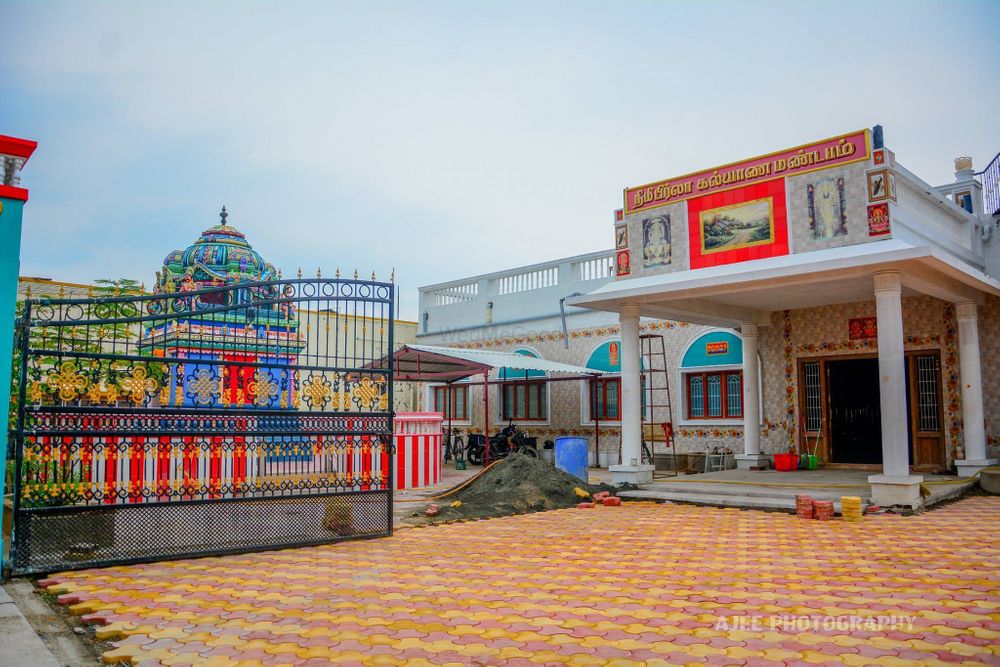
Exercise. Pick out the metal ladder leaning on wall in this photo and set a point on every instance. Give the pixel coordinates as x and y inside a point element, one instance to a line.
<point>657,406</point>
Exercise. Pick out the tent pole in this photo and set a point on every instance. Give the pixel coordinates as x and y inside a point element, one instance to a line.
<point>597,424</point>
<point>486,417</point>
<point>451,409</point>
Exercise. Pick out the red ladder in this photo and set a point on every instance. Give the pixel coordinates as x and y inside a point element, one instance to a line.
<point>657,406</point>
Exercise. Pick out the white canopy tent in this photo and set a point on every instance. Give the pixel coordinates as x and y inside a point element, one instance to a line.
<point>431,363</point>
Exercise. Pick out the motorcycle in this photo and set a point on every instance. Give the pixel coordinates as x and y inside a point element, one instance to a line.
<point>502,445</point>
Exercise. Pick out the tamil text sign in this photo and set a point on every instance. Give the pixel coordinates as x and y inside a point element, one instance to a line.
<point>820,155</point>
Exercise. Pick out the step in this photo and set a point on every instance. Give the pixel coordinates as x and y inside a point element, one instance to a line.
<point>680,489</point>
<point>730,500</point>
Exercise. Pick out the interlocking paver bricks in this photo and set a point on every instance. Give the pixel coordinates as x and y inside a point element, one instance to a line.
<point>641,584</point>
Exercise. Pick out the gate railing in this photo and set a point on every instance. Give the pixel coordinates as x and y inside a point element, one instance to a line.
<point>212,421</point>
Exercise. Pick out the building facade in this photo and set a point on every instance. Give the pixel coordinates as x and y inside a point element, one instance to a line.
<point>865,301</point>
<point>521,310</point>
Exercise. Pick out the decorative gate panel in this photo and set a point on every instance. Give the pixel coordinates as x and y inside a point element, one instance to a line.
<point>199,422</point>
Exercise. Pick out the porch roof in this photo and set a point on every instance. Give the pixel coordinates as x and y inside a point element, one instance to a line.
<point>750,291</point>
<point>447,364</point>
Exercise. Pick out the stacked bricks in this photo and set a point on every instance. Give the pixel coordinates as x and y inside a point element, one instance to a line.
<point>823,510</point>
<point>803,507</point>
<point>850,508</point>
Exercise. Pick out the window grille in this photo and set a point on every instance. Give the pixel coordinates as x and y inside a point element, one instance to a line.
<point>814,403</point>
<point>927,393</point>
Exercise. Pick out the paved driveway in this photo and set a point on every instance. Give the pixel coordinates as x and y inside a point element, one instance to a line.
<point>664,584</point>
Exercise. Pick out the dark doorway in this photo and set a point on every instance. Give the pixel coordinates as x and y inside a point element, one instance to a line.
<point>855,415</point>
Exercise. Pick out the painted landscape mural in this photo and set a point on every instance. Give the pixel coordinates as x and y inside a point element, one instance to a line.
<point>737,226</point>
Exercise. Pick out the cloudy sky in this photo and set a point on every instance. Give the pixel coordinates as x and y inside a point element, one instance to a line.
<point>448,138</point>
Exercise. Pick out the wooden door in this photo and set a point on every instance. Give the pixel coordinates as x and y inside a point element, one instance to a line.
<point>926,419</point>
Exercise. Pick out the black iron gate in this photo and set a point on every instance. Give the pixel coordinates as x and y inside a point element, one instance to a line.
<point>211,421</point>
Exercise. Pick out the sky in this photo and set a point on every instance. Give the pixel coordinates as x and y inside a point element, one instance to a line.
<point>447,139</point>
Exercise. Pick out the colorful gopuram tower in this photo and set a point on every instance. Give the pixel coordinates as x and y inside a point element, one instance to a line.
<point>235,312</point>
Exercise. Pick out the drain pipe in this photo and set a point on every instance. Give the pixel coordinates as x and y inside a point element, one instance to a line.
<point>562,313</point>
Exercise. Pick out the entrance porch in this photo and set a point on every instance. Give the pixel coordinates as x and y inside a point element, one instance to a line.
<point>871,403</point>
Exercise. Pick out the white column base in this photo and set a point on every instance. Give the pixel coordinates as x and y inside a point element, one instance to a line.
<point>631,474</point>
<point>889,490</point>
<point>969,467</point>
<point>751,461</point>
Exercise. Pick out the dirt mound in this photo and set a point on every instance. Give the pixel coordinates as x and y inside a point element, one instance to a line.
<point>519,484</point>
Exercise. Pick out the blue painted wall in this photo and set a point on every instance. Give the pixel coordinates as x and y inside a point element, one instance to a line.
<point>600,359</point>
<point>10,267</point>
<point>697,354</point>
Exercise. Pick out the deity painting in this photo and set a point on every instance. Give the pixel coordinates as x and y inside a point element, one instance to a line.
<point>827,212</point>
<point>743,225</point>
<point>878,219</point>
<point>656,241</point>
<point>862,328</point>
<point>621,237</point>
<point>623,262</point>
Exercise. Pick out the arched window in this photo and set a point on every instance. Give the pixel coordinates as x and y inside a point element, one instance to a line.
<point>605,392</point>
<point>523,397</point>
<point>712,376</point>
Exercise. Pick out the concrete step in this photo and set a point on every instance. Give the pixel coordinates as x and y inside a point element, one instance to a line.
<point>753,491</point>
<point>757,501</point>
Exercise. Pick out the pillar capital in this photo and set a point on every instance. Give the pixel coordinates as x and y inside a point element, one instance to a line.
<point>887,282</point>
<point>629,310</point>
<point>749,329</point>
<point>966,310</point>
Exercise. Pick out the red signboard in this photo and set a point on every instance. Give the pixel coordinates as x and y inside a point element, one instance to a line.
<point>831,152</point>
<point>717,347</point>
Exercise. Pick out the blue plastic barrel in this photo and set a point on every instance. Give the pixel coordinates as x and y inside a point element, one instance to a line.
<point>572,455</point>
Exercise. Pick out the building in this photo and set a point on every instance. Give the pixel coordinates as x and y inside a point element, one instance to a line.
<point>866,303</point>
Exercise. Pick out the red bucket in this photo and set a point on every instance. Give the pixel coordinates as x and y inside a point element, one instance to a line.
<point>786,462</point>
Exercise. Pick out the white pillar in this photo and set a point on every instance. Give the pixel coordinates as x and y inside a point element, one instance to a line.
<point>631,469</point>
<point>751,457</point>
<point>973,423</point>
<point>895,486</point>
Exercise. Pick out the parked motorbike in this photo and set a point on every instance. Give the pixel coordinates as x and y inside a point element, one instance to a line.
<point>501,444</point>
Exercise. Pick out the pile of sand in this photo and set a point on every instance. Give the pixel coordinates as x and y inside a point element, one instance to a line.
<point>517,485</point>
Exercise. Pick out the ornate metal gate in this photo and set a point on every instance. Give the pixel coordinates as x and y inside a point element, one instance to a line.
<point>222,420</point>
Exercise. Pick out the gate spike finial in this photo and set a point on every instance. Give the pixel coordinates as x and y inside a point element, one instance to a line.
<point>392,276</point>
<point>300,272</point>
<point>319,273</point>
<point>279,274</point>
<point>337,274</point>
<point>62,291</point>
<point>355,274</point>
<point>373,276</point>
<point>27,292</point>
